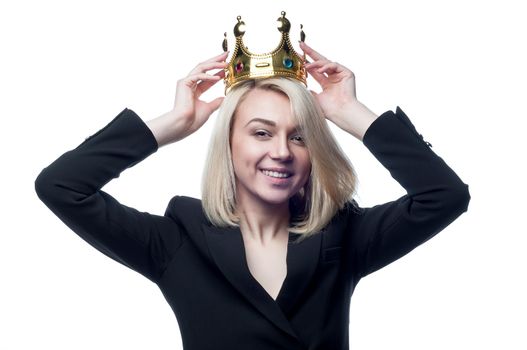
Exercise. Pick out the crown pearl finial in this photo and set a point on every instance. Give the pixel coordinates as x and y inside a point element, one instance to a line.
<point>224,44</point>
<point>239,28</point>
<point>283,24</point>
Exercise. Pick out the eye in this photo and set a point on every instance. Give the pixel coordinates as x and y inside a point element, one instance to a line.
<point>261,133</point>
<point>298,139</point>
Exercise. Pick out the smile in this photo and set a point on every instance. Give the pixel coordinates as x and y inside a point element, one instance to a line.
<point>276,174</point>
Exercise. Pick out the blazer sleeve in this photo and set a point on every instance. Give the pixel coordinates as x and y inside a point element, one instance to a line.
<point>71,188</point>
<point>435,197</point>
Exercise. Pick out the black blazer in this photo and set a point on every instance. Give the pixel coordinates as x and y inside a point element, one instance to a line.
<point>202,270</point>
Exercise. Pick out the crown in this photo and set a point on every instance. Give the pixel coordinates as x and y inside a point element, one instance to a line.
<point>282,61</point>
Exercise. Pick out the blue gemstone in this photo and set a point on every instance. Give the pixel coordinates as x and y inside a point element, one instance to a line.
<point>288,63</point>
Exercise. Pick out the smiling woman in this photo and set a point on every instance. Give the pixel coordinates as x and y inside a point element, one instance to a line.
<point>276,125</point>
<point>271,255</point>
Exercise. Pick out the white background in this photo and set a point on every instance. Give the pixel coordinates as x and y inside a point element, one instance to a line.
<point>457,68</point>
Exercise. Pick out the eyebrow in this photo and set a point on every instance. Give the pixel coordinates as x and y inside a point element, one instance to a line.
<point>261,120</point>
<point>265,121</point>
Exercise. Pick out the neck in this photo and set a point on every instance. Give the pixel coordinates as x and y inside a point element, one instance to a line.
<point>263,222</point>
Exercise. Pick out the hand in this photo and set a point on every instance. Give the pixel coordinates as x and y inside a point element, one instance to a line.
<point>189,112</point>
<point>337,82</point>
<point>338,94</point>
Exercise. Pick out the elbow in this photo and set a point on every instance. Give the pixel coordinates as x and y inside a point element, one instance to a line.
<point>458,199</point>
<point>445,203</point>
<point>44,187</point>
<point>464,197</point>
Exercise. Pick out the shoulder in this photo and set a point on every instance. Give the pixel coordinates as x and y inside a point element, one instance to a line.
<point>350,208</point>
<point>184,207</point>
<point>348,214</point>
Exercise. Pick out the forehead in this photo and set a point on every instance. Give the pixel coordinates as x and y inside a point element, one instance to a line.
<point>264,104</point>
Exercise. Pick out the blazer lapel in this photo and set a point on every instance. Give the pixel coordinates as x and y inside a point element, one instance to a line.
<point>302,261</point>
<point>228,251</point>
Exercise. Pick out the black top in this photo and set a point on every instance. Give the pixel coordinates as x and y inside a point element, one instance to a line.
<point>202,270</point>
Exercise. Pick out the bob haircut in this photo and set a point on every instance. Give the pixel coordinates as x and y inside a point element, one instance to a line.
<point>332,181</point>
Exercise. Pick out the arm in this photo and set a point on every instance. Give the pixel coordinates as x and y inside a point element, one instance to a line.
<point>435,197</point>
<point>71,185</point>
<point>71,188</point>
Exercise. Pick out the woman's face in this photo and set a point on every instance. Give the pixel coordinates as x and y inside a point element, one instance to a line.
<point>271,162</point>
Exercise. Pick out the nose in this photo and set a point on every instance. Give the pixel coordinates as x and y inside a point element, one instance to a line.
<point>281,150</point>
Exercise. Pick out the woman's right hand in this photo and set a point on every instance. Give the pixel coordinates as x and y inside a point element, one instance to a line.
<point>189,112</point>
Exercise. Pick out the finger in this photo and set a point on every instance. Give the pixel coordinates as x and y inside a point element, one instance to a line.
<point>316,64</point>
<point>193,79</point>
<point>205,85</point>
<point>219,57</point>
<point>330,68</point>
<point>203,67</point>
<point>215,104</point>
<point>310,52</point>
<point>315,96</point>
<point>319,77</point>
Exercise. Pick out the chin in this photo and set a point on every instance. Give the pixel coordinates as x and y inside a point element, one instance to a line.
<point>277,199</point>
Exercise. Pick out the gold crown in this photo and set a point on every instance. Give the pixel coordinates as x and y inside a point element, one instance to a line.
<point>282,61</point>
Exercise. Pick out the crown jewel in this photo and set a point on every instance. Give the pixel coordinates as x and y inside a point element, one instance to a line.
<point>282,61</point>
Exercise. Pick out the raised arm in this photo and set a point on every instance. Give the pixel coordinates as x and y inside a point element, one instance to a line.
<point>435,197</point>
<point>71,185</point>
<point>71,188</point>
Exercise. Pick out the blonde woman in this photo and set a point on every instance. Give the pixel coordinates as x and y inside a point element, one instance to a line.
<point>271,254</point>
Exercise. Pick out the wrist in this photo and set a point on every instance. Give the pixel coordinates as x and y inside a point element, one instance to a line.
<point>167,128</point>
<point>357,118</point>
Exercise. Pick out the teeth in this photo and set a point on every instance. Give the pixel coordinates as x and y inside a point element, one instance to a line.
<point>275,174</point>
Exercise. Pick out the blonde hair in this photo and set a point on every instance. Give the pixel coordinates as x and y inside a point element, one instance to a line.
<point>331,184</point>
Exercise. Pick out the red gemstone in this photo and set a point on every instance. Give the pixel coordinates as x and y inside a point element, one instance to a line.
<point>239,67</point>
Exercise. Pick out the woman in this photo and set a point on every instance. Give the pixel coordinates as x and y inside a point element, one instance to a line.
<point>270,258</point>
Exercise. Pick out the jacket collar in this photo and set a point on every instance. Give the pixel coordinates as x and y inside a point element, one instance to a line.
<point>228,251</point>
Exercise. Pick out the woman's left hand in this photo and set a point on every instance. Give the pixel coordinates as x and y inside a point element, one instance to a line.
<point>337,82</point>
<point>338,98</point>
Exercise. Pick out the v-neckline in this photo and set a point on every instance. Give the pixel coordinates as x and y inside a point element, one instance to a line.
<point>226,248</point>
<point>290,241</point>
